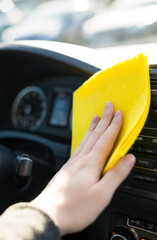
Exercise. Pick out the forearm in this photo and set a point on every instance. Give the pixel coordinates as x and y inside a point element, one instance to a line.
<point>21,222</point>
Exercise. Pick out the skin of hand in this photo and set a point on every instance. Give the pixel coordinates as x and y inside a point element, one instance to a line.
<point>78,193</point>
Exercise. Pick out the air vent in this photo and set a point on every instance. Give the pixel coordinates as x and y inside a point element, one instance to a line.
<point>153,82</point>
<point>153,75</point>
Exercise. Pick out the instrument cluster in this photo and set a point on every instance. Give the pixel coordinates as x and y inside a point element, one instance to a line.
<point>38,108</point>
<point>29,108</point>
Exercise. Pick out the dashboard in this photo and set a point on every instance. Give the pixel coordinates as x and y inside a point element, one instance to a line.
<point>45,107</point>
<point>37,81</point>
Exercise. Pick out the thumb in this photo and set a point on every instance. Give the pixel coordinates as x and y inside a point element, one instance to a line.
<point>114,177</point>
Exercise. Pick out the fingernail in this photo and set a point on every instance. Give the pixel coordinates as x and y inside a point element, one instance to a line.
<point>95,119</point>
<point>130,161</point>
<point>117,113</point>
<point>108,105</point>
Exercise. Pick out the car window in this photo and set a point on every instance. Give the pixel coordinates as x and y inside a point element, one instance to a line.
<point>91,23</point>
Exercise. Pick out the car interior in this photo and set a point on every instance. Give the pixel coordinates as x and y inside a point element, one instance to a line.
<point>37,81</point>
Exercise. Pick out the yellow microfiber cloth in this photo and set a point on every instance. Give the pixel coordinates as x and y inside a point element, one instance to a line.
<point>127,86</point>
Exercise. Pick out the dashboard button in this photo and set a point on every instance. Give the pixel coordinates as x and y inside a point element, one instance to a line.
<point>150,226</point>
<point>149,151</point>
<point>145,178</point>
<point>140,139</point>
<point>146,163</point>
<point>136,222</point>
<point>134,149</point>
<point>154,141</point>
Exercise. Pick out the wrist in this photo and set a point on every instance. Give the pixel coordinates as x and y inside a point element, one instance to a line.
<point>41,206</point>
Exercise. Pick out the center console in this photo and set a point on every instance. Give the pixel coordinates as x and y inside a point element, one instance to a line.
<point>131,228</point>
<point>133,214</point>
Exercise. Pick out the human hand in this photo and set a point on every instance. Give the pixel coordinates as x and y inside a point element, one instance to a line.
<point>78,193</point>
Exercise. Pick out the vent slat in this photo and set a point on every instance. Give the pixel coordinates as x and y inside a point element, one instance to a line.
<point>153,71</point>
<point>153,77</point>
<point>153,74</point>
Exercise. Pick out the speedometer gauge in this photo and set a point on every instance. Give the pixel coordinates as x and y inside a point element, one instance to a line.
<point>29,108</point>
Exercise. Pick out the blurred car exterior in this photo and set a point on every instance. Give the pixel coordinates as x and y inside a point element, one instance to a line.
<point>10,14</point>
<point>91,23</point>
<point>121,24</point>
<point>52,20</point>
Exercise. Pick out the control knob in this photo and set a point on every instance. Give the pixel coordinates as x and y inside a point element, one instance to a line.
<point>123,233</point>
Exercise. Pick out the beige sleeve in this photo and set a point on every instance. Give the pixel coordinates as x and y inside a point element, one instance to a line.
<point>22,222</point>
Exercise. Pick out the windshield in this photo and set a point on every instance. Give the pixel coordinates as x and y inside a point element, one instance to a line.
<point>91,23</point>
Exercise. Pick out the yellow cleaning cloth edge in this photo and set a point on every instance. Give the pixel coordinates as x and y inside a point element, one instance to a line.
<point>86,91</point>
<point>128,141</point>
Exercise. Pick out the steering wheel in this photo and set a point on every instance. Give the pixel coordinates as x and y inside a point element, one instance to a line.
<point>29,157</point>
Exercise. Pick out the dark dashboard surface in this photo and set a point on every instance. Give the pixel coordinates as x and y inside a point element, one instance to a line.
<point>36,86</point>
<point>44,107</point>
<point>36,105</point>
